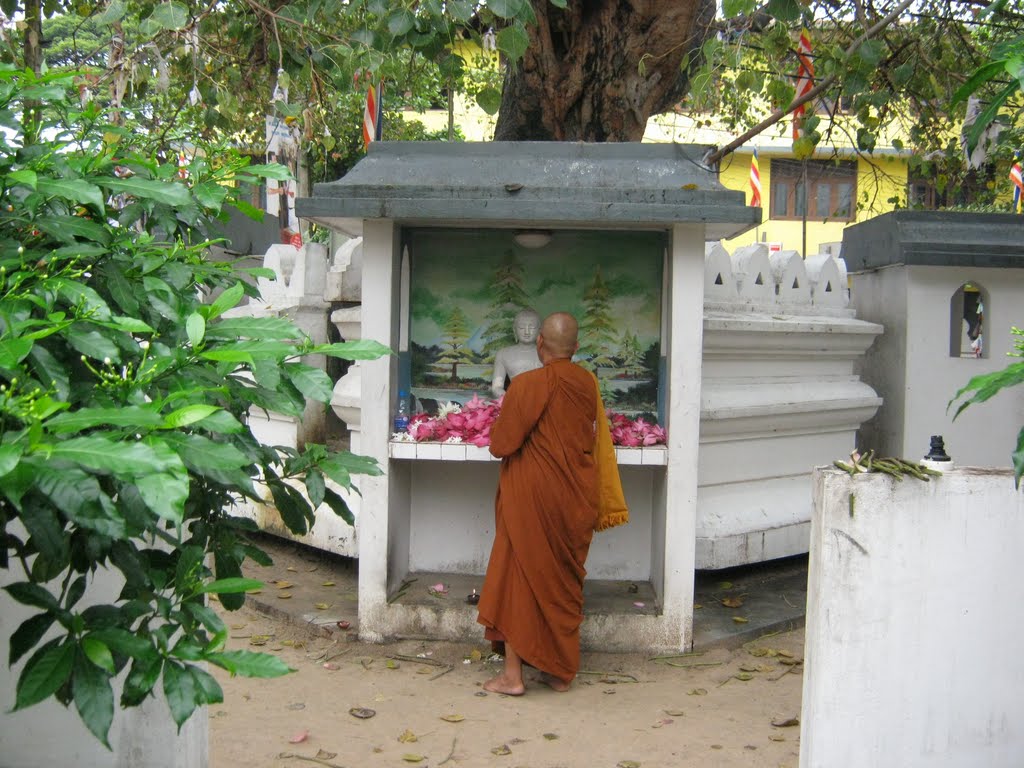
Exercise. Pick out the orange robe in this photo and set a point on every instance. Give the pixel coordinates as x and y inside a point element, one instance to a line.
<point>545,514</point>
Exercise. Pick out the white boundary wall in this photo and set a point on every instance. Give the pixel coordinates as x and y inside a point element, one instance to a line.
<point>913,639</point>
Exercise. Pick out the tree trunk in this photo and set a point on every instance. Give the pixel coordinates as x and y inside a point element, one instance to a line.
<point>599,69</point>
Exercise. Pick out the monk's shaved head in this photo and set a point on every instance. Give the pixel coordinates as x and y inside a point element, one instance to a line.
<point>559,333</point>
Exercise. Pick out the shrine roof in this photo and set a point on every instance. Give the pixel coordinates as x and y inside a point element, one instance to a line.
<point>935,238</point>
<point>521,184</point>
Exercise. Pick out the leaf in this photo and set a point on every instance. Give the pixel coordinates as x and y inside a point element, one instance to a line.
<point>783,10</point>
<point>195,329</point>
<point>675,712</point>
<point>125,643</point>
<point>453,718</point>
<point>315,487</point>
<point>266,328</point>
<point>789,722</point>
<point>502,750</point>
<point>75,190</point>
<point>551,736</point>
<point>207,688</point>
<point>180,691</point>
<point>28,634</point>
<point>627,764</point>
<point>33,595</point>
<point>411,758</point>
<point>13,351</point>
<point>698,692</point>
<point>489,100</point>
<point>227,300</point>
<point>362,349</point>
<point>45,671</point>
<point>47,532</point>
<point>114,11</point>
<point>230,586</point>
<point>400,22</point>
<point>68,228</point>
<point>362,713</point>
<point>408,737</point>
<point>99,654</point>
<point>24,176</point>
<point>92,343</point>
<point>132,416</point>
<point>169,15</point>
<point>165,493</point>
<point>310,381</point>
<point>94,698</point>
<point>513,41</point>
<point>744,676</point>
<point>165,192</point>
<point>190,414</point>
<point>249,664</point>
<point>732,602</point>
<point>740,619</point>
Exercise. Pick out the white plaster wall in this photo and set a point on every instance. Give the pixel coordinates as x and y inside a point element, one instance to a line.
<point>910,364</point>
<point>912,655</point>
<point>985,434</point>
<point>452,522</point>
<point>50,736</point>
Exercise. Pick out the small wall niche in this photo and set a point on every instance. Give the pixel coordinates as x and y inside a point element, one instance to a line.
<point>967,308</point>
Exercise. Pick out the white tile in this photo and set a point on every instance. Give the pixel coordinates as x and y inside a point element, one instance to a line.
<point>428,451</point>
<point>628,455</point>
<point>477,453</point>
<point>402,450</point>
<point>453,452</point>
<point>656,457</point>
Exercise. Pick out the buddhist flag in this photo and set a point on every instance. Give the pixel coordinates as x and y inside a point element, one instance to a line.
<point>755,182</point>
<point>372,125</point>
<point>804,79</point>
<point>1017,177</point>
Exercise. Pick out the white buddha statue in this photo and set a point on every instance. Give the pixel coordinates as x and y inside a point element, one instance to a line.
<point>520,357</point>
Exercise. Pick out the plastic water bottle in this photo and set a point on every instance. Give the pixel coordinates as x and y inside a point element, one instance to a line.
<point>401,423</point>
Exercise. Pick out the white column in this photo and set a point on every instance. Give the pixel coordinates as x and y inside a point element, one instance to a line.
<point>685,307</point>
<point>379,318</point>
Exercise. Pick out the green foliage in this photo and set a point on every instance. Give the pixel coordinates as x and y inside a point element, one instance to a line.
<point>987,385</point>
<point>124,394</point>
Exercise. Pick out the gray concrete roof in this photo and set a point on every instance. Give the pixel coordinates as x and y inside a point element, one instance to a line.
<point>529,184</point>
<point>935,238</point>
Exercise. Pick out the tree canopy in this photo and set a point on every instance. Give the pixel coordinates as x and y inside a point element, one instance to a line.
<point>570,70</point>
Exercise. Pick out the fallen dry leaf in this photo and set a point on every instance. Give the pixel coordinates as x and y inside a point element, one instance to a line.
<point>697,606</point>
<point>789,722</point>
<point>299,737</point>
<point>698,692</point>
<point>408,737</point>
<point>550,736</point>
<point>740,619</point>
<point>392,664</point>
<point>238,626</point>
<point>663,721</point>
<point>362,713</point>
<point>327,584</point>
<point>502,750</point>
<point>409,758</point>
<point>283,584</point>
<point>675,712</point>
<point>292,568</point>
<point>321,606</point>
<point>725,585</point>
<point>283,595</point>
<point>331,666</point>
<point>296,706</point>
<point>453,718</point>
<point>791,662</point>
<point>732,602</point>
<point>475,655</point>
<point>627,764</point>
<point>787,654</point>
<point>323,754</point>
<point>777,737</point>
<point>744,676</point>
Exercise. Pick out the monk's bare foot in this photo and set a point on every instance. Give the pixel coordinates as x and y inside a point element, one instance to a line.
<point>553,682</point>
<point>502,684</point>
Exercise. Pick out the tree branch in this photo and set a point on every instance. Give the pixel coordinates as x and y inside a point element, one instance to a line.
<point>821,87</point>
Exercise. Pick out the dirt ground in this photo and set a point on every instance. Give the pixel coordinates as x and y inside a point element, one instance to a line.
<point>721,708</point>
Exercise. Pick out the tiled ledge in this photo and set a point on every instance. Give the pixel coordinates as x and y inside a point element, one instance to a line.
<point>654,456</point>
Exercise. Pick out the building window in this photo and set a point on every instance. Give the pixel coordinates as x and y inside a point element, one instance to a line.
<point>831,189</point>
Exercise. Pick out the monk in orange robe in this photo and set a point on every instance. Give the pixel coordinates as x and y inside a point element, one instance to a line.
<point>545,514</point>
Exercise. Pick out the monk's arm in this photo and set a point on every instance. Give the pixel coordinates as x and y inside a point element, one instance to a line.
<point>520,410</point>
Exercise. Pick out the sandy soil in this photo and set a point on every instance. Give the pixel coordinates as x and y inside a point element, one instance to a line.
<point>721,708</point>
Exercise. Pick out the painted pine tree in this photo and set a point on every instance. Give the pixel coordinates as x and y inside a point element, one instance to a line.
<point>508,297</point>
<point>454,344</point>
<point>597,331</point>
<point>630,355</point>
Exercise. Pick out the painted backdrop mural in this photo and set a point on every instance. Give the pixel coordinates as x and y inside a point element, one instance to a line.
<point>466,287</point>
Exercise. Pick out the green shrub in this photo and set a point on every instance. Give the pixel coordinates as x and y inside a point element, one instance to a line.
<point>123,407</point>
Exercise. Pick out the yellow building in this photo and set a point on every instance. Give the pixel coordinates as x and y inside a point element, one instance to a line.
<point>841,186</point>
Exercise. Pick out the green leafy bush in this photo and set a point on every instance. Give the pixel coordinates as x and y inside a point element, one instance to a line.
<point>123,407</point>
<point>986,385</point>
